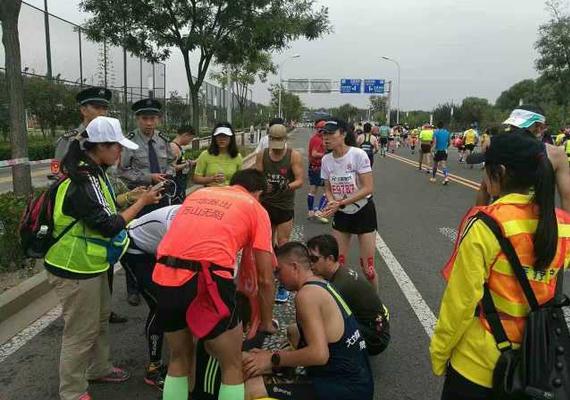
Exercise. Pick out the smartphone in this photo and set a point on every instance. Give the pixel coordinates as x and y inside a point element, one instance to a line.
<point>159,186</point>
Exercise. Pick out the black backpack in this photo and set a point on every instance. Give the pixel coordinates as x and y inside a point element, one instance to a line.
<point>540,368</point>
<point>36,224</point>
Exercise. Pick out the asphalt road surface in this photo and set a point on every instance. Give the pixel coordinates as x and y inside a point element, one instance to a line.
<point>417,221</point>
<point>39,177</point>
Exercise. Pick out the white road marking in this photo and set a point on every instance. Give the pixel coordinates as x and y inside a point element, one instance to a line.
<point>418,304</point>
<point>28,333</point>
<point>450,233</point>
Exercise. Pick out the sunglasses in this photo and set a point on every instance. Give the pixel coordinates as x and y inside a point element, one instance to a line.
<point>314,258</point>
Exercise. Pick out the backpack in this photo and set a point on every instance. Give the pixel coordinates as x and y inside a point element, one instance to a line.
<point>36,224</point>
<point>540,368</point>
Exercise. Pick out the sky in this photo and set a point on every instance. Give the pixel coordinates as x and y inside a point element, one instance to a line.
<point>447,49</point>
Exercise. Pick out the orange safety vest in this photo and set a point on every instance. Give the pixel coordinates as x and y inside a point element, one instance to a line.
<point>518,223</point>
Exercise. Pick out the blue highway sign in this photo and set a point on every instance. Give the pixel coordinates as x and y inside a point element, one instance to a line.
<point>374,86</point>
<point>351,85</point>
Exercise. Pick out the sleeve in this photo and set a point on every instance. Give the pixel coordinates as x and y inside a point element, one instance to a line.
<point>325,172</point>
<point>132,176</point>
<point>464,290</point>
<point>85,201</point>
<point>363,163</point>
<point>171,159</point>
<point>201,164</point>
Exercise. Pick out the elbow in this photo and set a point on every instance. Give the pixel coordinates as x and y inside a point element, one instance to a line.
<point>321,356</point>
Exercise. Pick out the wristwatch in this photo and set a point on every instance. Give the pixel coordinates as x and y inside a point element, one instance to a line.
<point>275,360</point>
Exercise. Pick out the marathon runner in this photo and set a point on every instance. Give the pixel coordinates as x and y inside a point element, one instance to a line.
<point>368,142</point>
<point>469,140</point>
<point>441,143</point>
<point>195,274</point>
<point>316,153</point>
<point>426,141</point>
<point>384,133</point>
<point>349,186</point>
<point>414,139</point>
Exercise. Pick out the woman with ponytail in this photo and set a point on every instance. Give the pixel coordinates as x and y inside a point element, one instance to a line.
<point>89,238</point>
<point>519,175</point>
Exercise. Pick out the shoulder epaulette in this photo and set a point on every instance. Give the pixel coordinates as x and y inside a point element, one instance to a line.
<point>71,133</point>
<point>131,134</point>
<point>164,136</point>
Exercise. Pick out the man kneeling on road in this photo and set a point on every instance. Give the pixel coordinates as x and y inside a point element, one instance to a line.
<point>330,344</point>
<point>371,314</point>
<point>195,272</point>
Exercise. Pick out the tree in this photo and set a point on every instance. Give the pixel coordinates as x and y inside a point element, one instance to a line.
<point>9,14</point>
<point>243,75</point>
<point>291,105</point>
<point>225,31</point>
<point>177,110</point>
<point>525,90</point>
<point>442,113</point>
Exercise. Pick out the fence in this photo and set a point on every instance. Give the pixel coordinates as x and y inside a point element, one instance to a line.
<point>70,61</point>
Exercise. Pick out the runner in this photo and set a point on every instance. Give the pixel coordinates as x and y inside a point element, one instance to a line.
<point>184,136</point>
<point>145,234</point>
<point>384,133</point>
<point>329,343</point>
<point>405,135</point>
<point>349,186</point>
<point>441,138</point>
<point>414,139</point>
<point>283,170</point>
<point>368,142</point>
<point>264,141</point>
<point>392,140</point>
<point>426,142</point>
<point>316,153</point>
<point>469,140</point>
<point>197,294</point>
<point>372,315</point>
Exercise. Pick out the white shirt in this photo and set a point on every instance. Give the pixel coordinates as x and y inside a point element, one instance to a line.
<point>147,231</point>
<point>342,174</point>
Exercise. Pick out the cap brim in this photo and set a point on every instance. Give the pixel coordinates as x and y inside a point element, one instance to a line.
<point>518,122</point>
<point>129,144</point>
<point>101,102</point>
<point>277,145</point>
<point>475,158</point>
<point>228,134</point>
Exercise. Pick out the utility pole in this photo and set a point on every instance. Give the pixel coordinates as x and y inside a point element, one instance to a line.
<point>48,45</point>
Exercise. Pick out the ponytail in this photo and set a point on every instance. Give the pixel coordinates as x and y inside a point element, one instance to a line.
<point>75,160</point>
<point>546,235</point>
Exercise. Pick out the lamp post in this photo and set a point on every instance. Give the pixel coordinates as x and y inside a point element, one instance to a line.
<point>398,65</point>
<point>281,79</point>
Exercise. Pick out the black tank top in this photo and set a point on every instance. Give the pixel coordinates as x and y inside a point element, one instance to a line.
<point>347,374</point>
<point>279,175</point>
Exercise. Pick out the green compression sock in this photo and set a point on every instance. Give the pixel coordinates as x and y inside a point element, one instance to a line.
<point>232,392</point>
<point>175,388</point>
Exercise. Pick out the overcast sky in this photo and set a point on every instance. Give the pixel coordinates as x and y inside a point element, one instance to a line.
<point>447,49</point>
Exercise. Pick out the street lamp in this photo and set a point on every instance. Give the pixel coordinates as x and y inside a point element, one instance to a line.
<point>281,79</point>
<point>398,65</point>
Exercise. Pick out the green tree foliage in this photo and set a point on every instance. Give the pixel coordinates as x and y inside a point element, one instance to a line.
<point>227,32</point>
<point>291,105</point>
<point>177,110</point>
<point>348,112</point>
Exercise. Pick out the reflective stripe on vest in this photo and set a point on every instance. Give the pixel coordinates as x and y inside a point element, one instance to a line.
<point>81,250</point>
<point>519,224</point>
<point>567,149</point>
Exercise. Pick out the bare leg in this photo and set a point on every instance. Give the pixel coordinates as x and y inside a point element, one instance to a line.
<point>226,348</point>
<point>283,232</point>
<point>255,388</point>
<point>181,347</point>
<point>367,243</point>
<point>343,240</point>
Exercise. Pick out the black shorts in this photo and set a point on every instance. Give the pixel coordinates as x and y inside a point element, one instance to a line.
<point>383,140</point>
<point>426,148</point>
<point>277,216</point>
<point>295,387</point>
<point>440,155</point>
<point>470,147</point>
<point>315,177</point>
<point>174,301</point>
<point>364,221</point>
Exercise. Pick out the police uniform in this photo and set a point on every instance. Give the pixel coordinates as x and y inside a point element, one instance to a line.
<point>136,165</point>
<point>92,95</point>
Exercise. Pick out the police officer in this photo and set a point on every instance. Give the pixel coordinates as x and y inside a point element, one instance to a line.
<point>153,160</point>
<point>93,102</point>
<point>150,164</point>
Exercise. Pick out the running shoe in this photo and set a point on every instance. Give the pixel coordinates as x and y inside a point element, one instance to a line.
<point>155,375</point>
<point>320,218</point>
<point>310,214</point>
<point>445,181</point>
<point>282,295</point>
<point>85,396</point>
<point>432,180</point>
<point>428,171</point>
<point>117,375</point>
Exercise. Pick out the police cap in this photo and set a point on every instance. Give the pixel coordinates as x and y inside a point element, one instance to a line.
<point>94,95</point>
<point>147,107</point>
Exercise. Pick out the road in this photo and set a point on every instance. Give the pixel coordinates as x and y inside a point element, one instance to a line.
<point>39,177</point>
<point>417,221</point>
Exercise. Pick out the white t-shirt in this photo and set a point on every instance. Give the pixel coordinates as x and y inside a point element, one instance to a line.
<point>342,174</point>
<point>147,231</point>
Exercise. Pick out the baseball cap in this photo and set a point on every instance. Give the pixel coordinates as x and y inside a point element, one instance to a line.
<point>524,118</point>
<point>105,130</point>
<point>277,137</point>
<point>320,125</point>
<point>223,130</point>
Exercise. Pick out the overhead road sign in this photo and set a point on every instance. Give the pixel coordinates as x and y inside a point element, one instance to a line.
<point>351,85</point>
<point>298,85</point>
<point>374,86</point>
<point>321,86</point>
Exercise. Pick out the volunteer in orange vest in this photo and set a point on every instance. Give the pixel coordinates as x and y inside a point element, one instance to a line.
<point>519,174</point>
<point>195,271</point>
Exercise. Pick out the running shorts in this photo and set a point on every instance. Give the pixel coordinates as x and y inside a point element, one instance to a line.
<point>174,301</point>
<point>277,216</point>
<point>315,177</point>
<point>295,387</point>
<point>363,221</point>
<point>383,140</point>
<point>426,148</point>
<point>440,155</point>
<point>470,147</point>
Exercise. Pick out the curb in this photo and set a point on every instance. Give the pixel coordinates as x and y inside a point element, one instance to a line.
<point>19,297</point>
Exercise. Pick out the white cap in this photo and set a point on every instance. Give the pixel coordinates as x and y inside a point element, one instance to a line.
<point>106,129</point>
<point>223,130</point>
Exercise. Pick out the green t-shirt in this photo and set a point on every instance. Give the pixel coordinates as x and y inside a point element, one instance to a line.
<point>209,165</point>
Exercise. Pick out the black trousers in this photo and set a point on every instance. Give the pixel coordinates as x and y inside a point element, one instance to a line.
<point>457,387</point>
<point>140,268</point>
